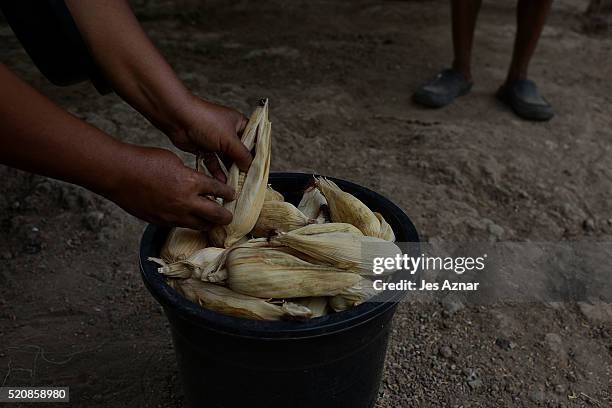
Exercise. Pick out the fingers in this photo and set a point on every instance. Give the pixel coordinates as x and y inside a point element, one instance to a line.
<point>211,186</point>
<point>242,124</point>
<point>214,167</point>
<point>211,212</point>
<point>238,151</point>
<point>195,223</point>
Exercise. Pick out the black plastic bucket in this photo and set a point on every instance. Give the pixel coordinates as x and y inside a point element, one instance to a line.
<point>331,361</point>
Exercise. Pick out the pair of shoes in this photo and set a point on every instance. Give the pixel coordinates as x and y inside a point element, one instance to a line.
<point>443,89</point>
<point>522,96</point>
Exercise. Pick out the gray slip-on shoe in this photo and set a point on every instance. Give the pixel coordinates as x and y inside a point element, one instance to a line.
<point>523,97</point>
<point>443,89</point>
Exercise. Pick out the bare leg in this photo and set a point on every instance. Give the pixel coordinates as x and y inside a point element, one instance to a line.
<point>464,14</point>
<point>531,16</point>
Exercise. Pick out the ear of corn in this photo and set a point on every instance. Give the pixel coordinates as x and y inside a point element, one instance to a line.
<point>268,273</point>
<point>344,207</point>
<point>313,229</point>
<point>192,267</point>
<point>314,205</point>
<point>252,194</point>
<point>273,195</point>
<point>317,305</point>
<point>353,296</point>
<point>224,300</point>
<point>181,243</point>
<point>250,187</point>
<point>386,232</point>
<point>279,216</point>
<point>340,249</point>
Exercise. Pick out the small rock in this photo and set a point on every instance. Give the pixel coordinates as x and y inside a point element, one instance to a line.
<point>560,389</point>
<point>33,240</point>
<point>504,344</point>
<point>476,383</point>
<point>451,306</point>
<point>555,345</point>
<point>472,378</point>
<point>445,352</point>
<point>44,188</point>
<point>537,396</point>
<point>93,220</point>
<point>596,312</point>
<point>588,224</point>
<point>495,230</point>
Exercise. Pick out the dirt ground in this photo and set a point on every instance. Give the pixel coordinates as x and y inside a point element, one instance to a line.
<point>339,74</point>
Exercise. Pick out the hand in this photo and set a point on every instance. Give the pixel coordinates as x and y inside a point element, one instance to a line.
<point>208,128</point>
<point>155,186</point>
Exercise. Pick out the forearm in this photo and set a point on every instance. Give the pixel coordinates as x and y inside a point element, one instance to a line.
<point>38,136</point>
<point>132,64</point>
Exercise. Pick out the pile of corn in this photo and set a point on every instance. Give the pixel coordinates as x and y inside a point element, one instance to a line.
<point>274,260</point>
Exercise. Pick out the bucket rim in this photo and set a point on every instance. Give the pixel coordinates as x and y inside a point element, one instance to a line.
<point>174,303</point>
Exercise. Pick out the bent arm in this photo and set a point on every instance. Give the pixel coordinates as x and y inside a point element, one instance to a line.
<point>38,136</point>
<point>141,76</point>
<point>153,184</point>
<point>130,61</point>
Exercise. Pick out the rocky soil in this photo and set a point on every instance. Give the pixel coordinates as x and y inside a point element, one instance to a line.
<point>339,74</point>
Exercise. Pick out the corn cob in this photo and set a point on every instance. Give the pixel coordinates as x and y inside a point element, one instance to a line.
<point>224,300</point>
<point>317,305</point>
<point>353,296</point>
<point>273,195</point>
<point>279,216</point>
<point>344,207</point>
<point>192,267</point>
<point>249,186</point>
<point>386,232</point>
<point>314,205</point>
<point>313,229</point>
<point>340,249</point>
<point>181,243</point>
<point>268,273</point>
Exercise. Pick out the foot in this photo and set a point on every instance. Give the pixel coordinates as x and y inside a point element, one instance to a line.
<point>523,97</point>
<point>443,89</point>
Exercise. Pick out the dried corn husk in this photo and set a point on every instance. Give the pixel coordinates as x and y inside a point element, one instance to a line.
<point>181,243</point>
<point>201,168</point>
<point>386,232</point>
<point>313,229</point>
<point>224,300</point>
<point>192,267</point>
<point>268,273</point>
<point>340,249</point>
<point>273,195</point>
<point>317,305</point>
<point>353,296</point>
<point>250,187</point>
<point>314,205</point>
<point>344,207</point>
<point>279,216</point>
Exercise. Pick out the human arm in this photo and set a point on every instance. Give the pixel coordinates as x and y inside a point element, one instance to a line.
<point>140,75</point>
<point>153,184</point>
